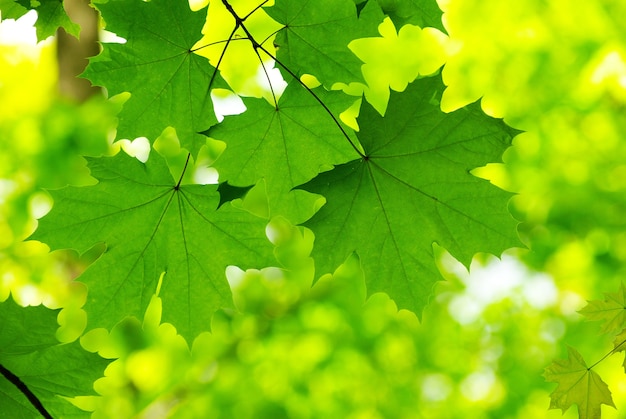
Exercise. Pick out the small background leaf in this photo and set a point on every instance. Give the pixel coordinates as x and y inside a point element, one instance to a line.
<point>578,385</point>
<point>611,311</point>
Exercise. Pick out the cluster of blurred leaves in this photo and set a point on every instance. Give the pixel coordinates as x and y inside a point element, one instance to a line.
<point>42,138</point>
<point>290,350</point>
<point>558,72</point>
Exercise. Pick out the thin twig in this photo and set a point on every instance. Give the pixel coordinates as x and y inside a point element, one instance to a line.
<point>612,351</point>
<point>34,400</point>
<point>218,42</point>
<point>319,100</point>
<point>254,10</point>
<point>257,46</point>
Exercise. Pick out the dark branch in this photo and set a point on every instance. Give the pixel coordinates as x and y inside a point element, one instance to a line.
<point>15,380</point>
<point>254,10</point>
<point>255,44</point>
<point>328,111</point>
<point>225,41</point>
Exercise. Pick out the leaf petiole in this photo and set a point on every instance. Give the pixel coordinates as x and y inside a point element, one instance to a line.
<point>183,172</point>
<point>612,351</point>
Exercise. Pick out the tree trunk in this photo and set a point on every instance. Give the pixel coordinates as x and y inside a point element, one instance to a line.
<point>72,53</point>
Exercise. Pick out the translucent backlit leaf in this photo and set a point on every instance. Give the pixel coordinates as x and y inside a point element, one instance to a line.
<point>420,13</point>
<point>51,16</point>
<point>151,225</point>
<point>286,144</point>
<point>30,351</point>
<point>413,188</point>
<point>577,384</point>
<point>169,83</point>
<point>611,311</point>
<point>317,33</point>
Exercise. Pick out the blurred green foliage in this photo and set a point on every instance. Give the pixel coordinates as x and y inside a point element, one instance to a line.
<point>295,351</point>
<point>42,139</point>
<point>555,70</point>
<point>558,72</point>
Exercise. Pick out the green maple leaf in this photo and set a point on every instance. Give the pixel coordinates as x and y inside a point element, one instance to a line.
<point>152,225</point>
<point>420,13</point>
<point>611,311</point>
<point>50,16</point>
<point>11,9</point>
<point>577,384</point>
<point>286,145</point>
<point>412,189</point>
<point>317,33</point>
<point>169,84</point>
<point>30,351</point>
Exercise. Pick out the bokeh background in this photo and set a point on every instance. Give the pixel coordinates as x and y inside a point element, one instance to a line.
<point>548,67</point>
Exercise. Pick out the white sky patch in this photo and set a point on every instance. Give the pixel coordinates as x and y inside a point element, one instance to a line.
<point>39,204</point>
<point>226,103</point>
<point>28,295</point>
<point>611,67</point>
<point>436,387</point>
<point>570,303</point>
<point>138,148</point>
<point>110,38</point>
<point>478,385</point>
<point>20,31</point>
<point>275,78</point>
<point>540,291</point>
<point>464,309</point>
<point>273,234</point>
<point>235,275</point>
<point>206,176</point>
<point>500,279</point>
<point>7,188</point>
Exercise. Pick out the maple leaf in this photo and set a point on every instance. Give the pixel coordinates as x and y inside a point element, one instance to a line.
<point>169,84</point>
<point>316,36</point>
<point>611,311</point>
<point>29,350</point>
<point>50,16</point>
<point>285,144</point>
<point>11,9</point>
<point>414,12</point>
<point>238,61</point>
<point>150,225</point>
<point>413,188</point>
<point>577,384</point>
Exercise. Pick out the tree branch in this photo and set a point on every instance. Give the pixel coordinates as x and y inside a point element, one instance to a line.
<point>34,400</point>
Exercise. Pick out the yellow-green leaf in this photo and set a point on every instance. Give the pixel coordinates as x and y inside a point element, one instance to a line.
<point>611,311</point>
<point>577,384</point>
